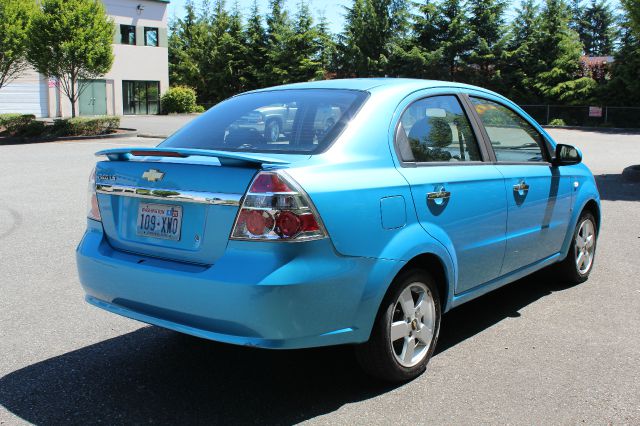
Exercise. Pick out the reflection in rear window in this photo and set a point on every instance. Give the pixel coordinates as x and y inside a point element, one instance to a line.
<point>285,121</point>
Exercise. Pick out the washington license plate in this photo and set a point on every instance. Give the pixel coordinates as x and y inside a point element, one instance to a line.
<point>159,221</point>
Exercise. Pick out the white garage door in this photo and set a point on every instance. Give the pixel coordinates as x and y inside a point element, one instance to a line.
<point>25,97</point>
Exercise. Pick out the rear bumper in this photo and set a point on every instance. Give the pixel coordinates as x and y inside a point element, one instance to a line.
<point>267,295</point>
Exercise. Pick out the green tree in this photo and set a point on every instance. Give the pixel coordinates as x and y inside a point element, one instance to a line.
<point>186,49</point>
<point>419,55</point>
<point>70,40</point>
<point>597,31</point>
<point>279,35</point>
<point>521,61</point>
<point>577,15</point>
<point>327,49</point>
<point>632,8</point>
<point>15,18</point>
<point>454,38</point>
<point>223,63</point>
<point>305,48</point>
<point>624,86</point>
<point>372,28</point>
<point>255,38</point>
<point>486,22</point>
<point>558,47</point>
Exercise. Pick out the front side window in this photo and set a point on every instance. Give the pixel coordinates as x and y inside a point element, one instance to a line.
<point>513,139</point>
<point>128,34</point>
<point>436,129</point>
<point>150,36</point>
<point>285,121</point>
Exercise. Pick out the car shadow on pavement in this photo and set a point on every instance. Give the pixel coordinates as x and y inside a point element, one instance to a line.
<point>613,187</point>
<point>158,376</point>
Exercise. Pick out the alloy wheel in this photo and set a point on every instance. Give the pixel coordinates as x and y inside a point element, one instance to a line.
<point>412,325</point>
<point>585,246</point>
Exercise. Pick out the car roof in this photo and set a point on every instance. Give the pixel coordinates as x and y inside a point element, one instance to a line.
<point>368,84</point>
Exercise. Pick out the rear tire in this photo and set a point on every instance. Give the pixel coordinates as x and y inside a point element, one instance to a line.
<point>406,330</point>
<point>578,264</point>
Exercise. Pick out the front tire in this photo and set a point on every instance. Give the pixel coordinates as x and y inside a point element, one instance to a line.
<point>272,131</point>
<point>406,330</point>
<point>578,264</point>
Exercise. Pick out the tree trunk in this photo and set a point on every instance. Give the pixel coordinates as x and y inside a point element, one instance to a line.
<point>72,98</point>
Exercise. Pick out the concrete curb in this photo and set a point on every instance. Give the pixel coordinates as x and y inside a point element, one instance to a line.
<point>632,173</point>
<point>596,129</point>
<point>152,136</point>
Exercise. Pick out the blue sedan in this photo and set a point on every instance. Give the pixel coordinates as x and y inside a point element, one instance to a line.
<point>375,206</point>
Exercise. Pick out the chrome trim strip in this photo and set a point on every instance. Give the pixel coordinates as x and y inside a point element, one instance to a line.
<point>215,198</point>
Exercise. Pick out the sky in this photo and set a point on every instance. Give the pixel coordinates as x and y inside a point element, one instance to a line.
<point>332,9</point>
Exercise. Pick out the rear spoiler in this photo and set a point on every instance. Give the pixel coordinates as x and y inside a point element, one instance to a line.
<point>226,158</point>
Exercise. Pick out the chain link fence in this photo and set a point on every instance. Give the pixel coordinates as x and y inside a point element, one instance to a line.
<point>585,116</point>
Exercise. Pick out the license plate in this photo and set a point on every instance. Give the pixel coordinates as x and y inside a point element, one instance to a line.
<point>159,221</point>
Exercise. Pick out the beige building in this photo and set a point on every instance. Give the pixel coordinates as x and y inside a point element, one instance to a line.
<point>140,72</point>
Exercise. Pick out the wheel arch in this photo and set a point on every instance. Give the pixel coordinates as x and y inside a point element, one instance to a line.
<point>431,263</point>
<point>592,206</point>
<point>274,117</point>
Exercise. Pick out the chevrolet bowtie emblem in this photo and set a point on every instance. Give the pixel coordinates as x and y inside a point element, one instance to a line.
<point>153,175</point>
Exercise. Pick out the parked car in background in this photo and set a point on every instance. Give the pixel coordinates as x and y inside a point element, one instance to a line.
<point>380,205</point>
<point>272,122</point>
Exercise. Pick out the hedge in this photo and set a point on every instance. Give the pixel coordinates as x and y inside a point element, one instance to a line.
<point>85,126</point>
<point>26,126</point>
<point>17,124</point>
<point>179,99</point>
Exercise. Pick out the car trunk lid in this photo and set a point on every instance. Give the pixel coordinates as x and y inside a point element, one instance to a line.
<point>178,204</point>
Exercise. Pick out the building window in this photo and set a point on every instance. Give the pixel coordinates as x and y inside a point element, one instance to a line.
<point>150,36</point>
<point>128,34</point>
<point>140,97</point>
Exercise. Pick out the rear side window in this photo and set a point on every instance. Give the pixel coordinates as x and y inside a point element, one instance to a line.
<point>513,139</point>
<point>284,121</point>
<point>436,129</point>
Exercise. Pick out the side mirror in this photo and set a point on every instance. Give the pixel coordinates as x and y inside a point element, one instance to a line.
<point>567,155</point>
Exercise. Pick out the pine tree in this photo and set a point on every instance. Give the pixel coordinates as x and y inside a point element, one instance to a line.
<point>520,63</point>
<point>305,59</point>
<point>256,47</point>
<point>597,32</point>
<point>419,55</point>
<point>186,50</point>
<point>624,86</point>
<point>577,13</point>
<point>454,38</point>
<point>486,22</point>
<point>559,49</point>
<point>372,28</point>
<point>279,34</point>
<point>632,8</point>
<point>326,46</point>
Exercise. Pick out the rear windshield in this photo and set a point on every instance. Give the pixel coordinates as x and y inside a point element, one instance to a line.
<point>284,121</point>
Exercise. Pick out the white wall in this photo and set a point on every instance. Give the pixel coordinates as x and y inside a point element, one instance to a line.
<point>28,94</point>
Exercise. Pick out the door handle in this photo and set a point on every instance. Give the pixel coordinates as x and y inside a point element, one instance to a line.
<point>440,195</point>
<point>521,187</point>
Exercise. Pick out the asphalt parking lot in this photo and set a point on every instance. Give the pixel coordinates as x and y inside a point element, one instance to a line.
<point>534,352</point>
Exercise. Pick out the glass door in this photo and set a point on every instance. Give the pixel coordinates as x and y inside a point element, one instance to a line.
<point>141,97</point>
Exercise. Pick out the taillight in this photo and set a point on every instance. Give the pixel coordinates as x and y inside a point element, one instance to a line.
<point>93,212</point>
<point>275,208</point>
